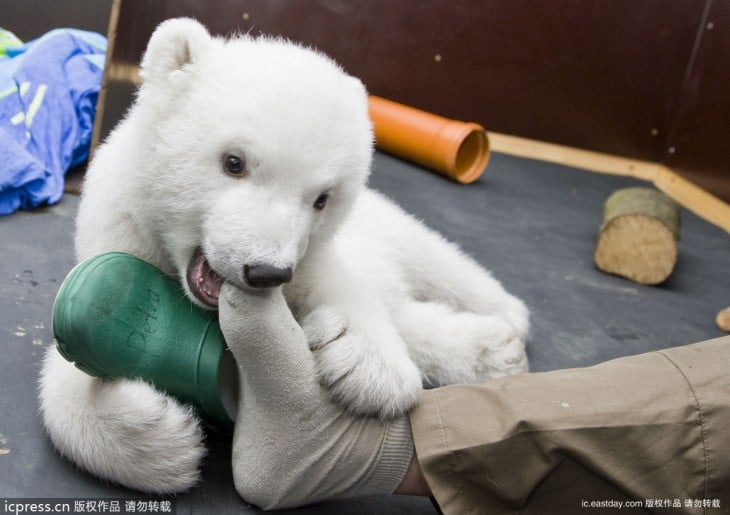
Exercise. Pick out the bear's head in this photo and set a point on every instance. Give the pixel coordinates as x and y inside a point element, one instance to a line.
<point>258,148</point>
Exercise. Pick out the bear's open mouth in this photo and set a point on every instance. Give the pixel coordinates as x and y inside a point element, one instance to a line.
<point>203,281</point>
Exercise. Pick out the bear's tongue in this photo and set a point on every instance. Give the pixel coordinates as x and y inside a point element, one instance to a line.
<point>203,281</point>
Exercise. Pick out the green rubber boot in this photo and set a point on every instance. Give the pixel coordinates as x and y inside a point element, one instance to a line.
<point>118,316</point>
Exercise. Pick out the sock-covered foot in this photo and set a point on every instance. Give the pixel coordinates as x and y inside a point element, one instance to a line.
<point>292,445</point>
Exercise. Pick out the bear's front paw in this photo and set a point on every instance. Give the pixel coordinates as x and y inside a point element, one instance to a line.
<point>367,377</point>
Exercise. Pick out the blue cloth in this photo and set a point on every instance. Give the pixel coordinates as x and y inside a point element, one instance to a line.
<point>48,93</point>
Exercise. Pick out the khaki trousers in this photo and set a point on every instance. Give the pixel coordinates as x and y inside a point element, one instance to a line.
<point>647,433</point>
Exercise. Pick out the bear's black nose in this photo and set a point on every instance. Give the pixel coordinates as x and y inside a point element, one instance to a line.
<point>262,275</point>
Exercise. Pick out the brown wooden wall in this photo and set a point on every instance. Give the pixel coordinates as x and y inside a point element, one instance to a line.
<point>646,79</point>
<point>29,19</point>
<point>701,125</point>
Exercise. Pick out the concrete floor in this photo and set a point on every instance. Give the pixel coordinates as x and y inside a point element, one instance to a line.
<point>533,224</point>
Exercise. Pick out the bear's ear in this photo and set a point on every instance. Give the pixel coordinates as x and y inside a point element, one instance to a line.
<point>174,44</point>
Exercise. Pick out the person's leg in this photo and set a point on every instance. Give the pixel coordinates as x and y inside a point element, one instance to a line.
<point>650,427</point>
<point>292,445</point>
<point>413,482</point>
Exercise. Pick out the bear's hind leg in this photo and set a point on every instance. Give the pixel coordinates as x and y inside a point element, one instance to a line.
<point>123,431</point>
<point>451,346</point>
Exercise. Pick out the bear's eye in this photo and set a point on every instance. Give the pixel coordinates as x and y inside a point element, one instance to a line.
<point>321,201</point>
<point>234,165</point>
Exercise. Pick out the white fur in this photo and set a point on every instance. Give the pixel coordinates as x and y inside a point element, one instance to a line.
<point>386,303</point>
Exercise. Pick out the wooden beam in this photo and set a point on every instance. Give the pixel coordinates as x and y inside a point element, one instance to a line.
<point>687,194</point>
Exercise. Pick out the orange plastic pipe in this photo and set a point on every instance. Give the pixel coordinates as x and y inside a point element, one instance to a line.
<point>458,150</point>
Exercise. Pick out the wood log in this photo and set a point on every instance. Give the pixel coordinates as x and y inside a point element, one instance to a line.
<point>639,235</point>
<point>723,319</point>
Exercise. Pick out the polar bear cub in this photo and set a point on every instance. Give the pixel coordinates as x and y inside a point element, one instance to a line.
<point>246,160</point>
